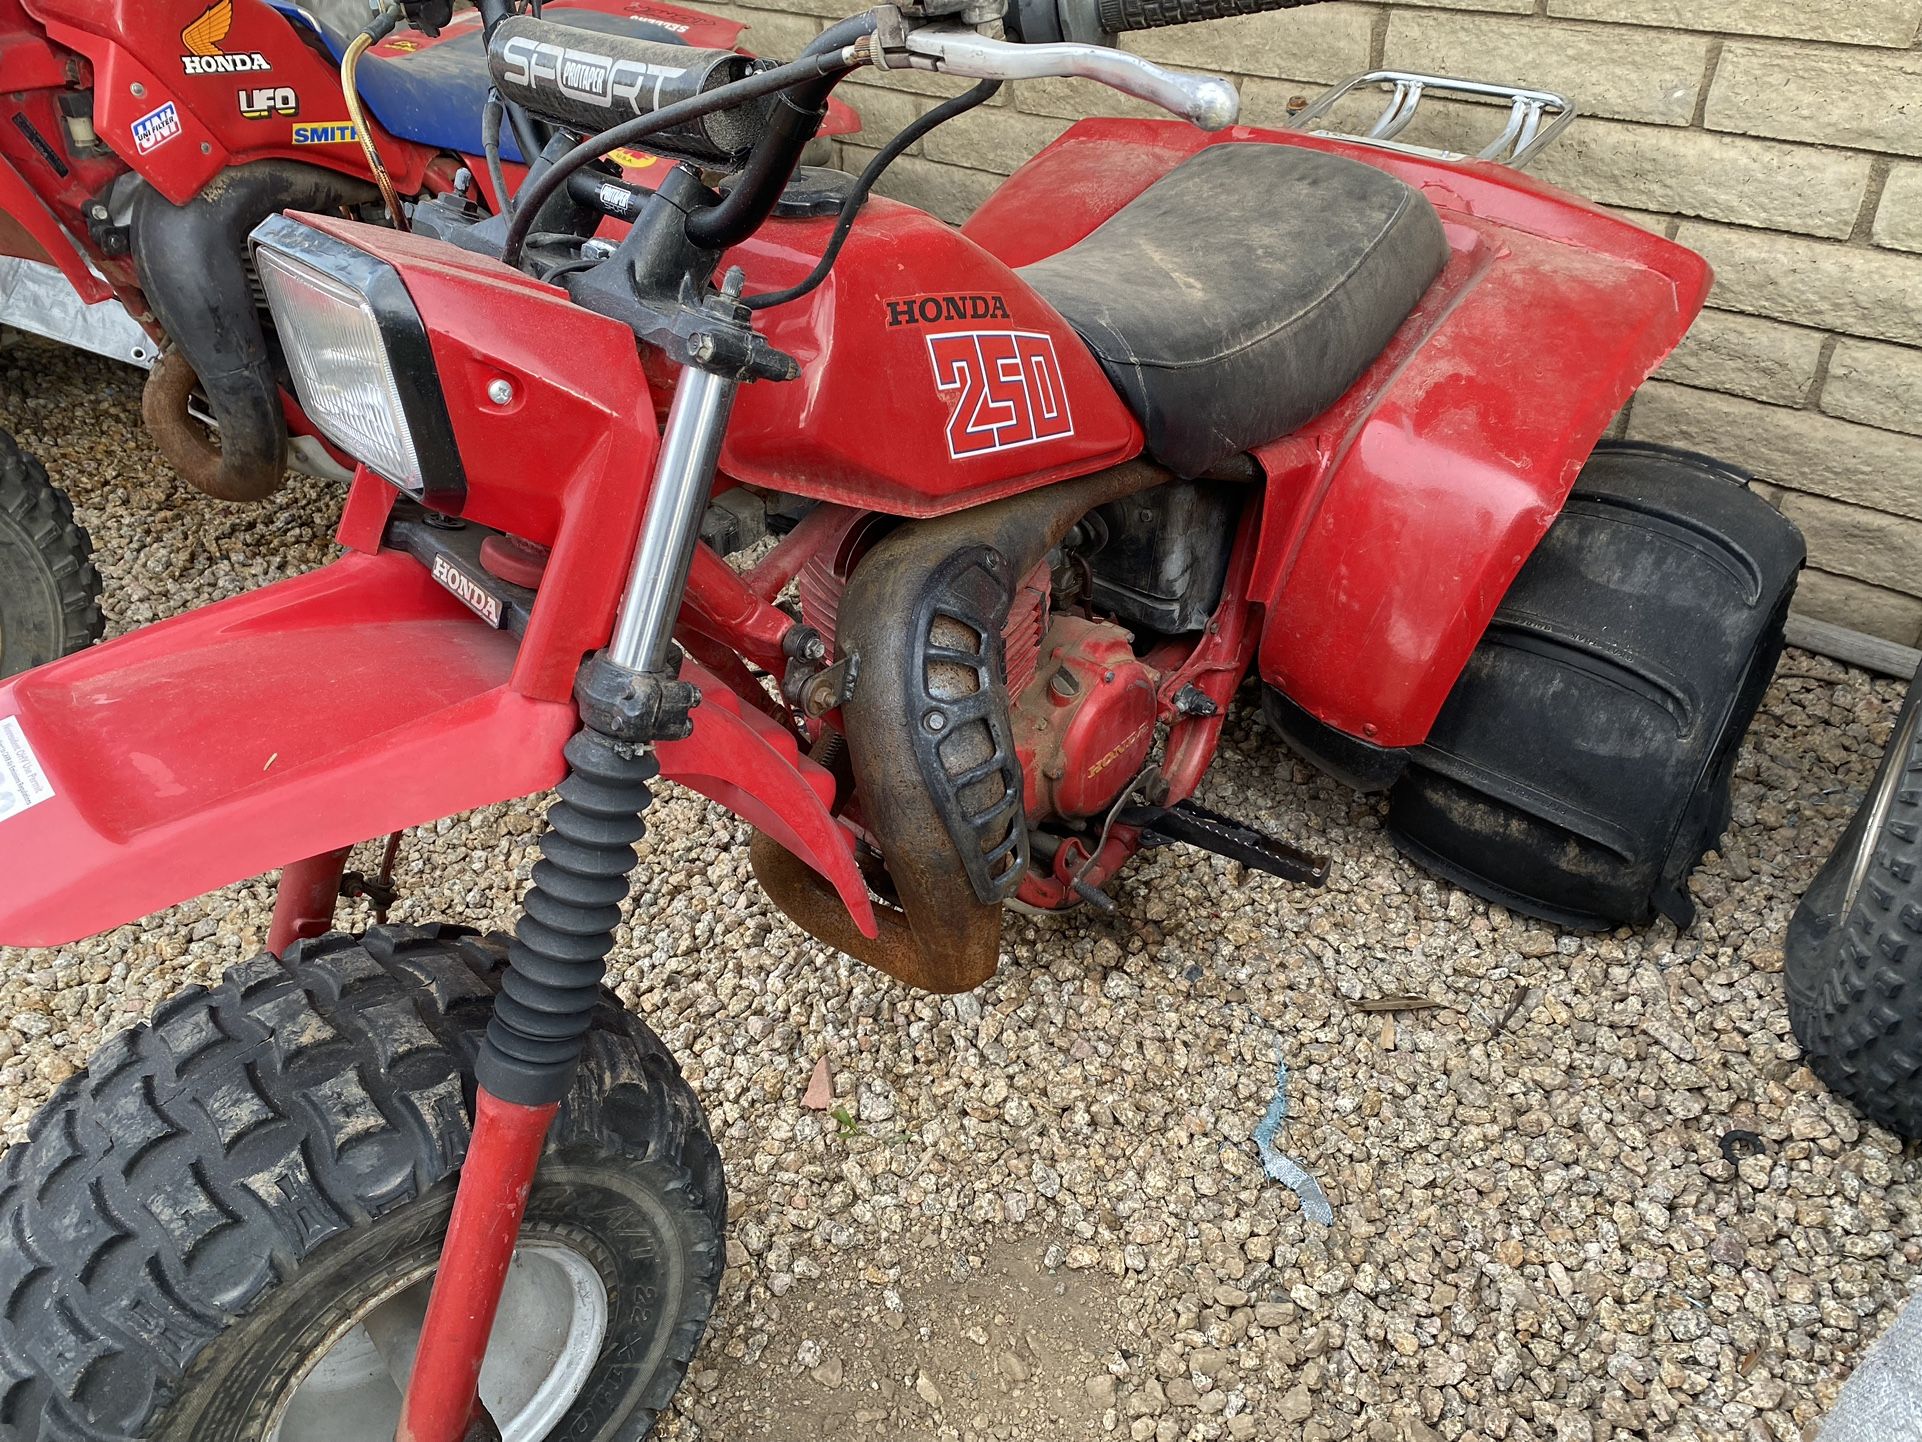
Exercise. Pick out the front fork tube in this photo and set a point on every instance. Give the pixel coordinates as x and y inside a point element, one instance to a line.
<point>558,955</point>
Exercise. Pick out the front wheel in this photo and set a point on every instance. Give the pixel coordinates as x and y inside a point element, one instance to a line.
<point>1854,954</point>
<point>226,1229</point>
<point>49,589</point>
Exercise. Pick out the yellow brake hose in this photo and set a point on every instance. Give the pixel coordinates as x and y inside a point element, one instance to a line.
<point>348,62</point>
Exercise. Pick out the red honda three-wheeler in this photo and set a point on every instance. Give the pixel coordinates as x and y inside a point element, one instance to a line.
<point>1025,501</point>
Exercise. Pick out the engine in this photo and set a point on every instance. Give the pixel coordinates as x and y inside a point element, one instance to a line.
<point>1084,725</point>
<point>1083,703</point>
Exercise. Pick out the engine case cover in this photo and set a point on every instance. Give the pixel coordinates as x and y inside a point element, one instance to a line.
<point>1084,725</point>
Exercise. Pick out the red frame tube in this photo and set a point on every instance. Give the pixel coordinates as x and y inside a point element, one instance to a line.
<point>442,1395</point>
<point>305,899</point>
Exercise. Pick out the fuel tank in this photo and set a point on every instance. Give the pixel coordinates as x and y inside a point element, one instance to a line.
<point>932,377</point>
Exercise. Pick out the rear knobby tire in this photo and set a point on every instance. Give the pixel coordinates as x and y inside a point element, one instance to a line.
<point>1854,954</point>
<point>232,1180</point>
<point>49,589</point>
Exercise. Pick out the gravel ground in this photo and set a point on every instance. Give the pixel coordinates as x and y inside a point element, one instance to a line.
<point>1037,1212</point>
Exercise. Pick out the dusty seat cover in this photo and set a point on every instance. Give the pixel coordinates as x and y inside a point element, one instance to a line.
<point>1242,293</point>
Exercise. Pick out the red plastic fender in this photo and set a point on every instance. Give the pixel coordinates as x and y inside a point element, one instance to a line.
<point>346,703</point>
<point>752,765</point>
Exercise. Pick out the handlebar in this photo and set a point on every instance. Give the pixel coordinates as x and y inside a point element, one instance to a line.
<point>1205,100</point>
<point>1117,16</point>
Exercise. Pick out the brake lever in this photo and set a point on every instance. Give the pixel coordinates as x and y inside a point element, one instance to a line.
<point>1206,101</point>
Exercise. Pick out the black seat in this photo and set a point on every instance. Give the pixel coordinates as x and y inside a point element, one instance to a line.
<point>1243,293</point>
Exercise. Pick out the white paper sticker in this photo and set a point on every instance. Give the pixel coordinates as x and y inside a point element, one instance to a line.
<point>22,782</point>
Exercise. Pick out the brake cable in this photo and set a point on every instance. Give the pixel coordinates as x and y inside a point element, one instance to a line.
<point>378,29</point>
<point>883,158</point>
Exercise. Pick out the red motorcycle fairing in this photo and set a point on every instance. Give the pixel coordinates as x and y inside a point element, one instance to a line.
<point>184,91</point>
<point>363,698</point>
<point>1394,523</point>
<point>932,377</point>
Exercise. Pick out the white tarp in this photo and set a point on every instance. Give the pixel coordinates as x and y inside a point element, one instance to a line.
<point>1882,1400</point>
<point>36,297</point>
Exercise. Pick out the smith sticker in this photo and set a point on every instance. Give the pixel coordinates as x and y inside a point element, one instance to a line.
<point>201,38</point>
<point>333,132</point>
<point>264,102</point>
<point>935,309</point>
<point>1005,389</point>
<point>469,592</point>
<point>156,128</point>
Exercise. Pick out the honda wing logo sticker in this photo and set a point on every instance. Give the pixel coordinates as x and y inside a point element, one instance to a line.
<point>201,38</point>
<point>1005,387</point>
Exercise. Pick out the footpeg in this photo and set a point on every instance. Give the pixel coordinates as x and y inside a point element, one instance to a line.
<point>1206,830</point>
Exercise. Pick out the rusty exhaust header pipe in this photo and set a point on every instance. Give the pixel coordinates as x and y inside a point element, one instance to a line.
<point>944,937</point>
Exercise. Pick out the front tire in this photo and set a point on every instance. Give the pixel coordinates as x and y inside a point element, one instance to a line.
<point>49,589</point>
<point>1853,962</point>
<point>216,1231</point>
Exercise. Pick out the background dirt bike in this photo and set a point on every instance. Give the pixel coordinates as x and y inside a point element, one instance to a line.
<point>1047,489</point>
<point>148,139</point>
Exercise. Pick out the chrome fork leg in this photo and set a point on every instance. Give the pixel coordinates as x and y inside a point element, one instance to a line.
<point>690,450</point>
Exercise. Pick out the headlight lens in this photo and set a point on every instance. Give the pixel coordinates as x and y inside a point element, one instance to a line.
<point>339,366</point>
<point>359,357</point>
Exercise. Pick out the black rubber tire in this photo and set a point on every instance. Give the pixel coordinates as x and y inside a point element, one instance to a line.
<point>1580,768</point>
<point>229,1179</point>
<point>49,589</point>
<point>1853,965</point>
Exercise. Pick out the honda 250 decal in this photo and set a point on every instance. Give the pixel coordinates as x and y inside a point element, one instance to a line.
<point>1005,387</point>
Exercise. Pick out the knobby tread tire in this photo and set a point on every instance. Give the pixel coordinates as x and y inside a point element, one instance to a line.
<point>206,1153</point>
<point>37,524</point>
<point>1855,982</point>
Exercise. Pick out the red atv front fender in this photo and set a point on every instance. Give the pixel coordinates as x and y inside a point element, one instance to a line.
<point>353,701</point>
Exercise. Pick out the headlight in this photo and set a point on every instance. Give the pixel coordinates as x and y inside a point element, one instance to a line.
<point>359,358</point>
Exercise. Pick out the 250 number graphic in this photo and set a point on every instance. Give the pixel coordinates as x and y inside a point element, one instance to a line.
<point>1005,386</point>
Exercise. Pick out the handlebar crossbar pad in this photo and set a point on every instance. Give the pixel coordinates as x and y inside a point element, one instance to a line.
<point>589,80</point>
<point>1118,16</point>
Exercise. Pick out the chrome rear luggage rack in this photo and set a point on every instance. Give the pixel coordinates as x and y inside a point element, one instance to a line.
<point>1535,117</point>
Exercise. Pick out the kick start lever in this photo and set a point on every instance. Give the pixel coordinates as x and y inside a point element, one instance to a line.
<point>1206,830</point>
<point>1206,101</point>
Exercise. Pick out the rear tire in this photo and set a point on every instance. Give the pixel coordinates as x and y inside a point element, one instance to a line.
<point>198,1220</point>
<point>1853,963</point>
<point>49,589</point>
<point>1580,767</point>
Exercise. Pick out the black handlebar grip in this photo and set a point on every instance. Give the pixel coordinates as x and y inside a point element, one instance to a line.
<point>589,80</point>
<point>1118,16</point>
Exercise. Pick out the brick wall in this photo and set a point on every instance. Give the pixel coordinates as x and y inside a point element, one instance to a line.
<point>1780,138</point>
